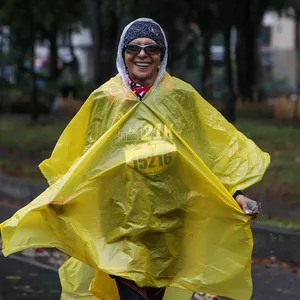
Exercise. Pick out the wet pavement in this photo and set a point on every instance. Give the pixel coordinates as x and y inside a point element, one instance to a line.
<point>19,280</point>
<point>32,275</point>
<point>275,284</point>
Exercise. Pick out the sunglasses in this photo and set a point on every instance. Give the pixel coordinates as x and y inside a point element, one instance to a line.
<point>134,49</point>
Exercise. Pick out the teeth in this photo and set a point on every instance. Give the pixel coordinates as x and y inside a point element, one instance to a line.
<point>143,64</point>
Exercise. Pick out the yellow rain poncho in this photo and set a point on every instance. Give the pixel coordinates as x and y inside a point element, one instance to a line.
<point>143,190</point>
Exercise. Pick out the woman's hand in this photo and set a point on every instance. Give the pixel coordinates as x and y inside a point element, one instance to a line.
<point>248,206</point>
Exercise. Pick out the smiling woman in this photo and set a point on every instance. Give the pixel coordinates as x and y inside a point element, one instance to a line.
<point>145,185</point>
<point>142,55</point>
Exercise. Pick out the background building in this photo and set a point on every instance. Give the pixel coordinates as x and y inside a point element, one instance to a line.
<point>278,49</point>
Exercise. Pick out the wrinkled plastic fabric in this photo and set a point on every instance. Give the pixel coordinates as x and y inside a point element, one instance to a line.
<point>143,190</point>
<point>80,281</point>
<point>75,278</point>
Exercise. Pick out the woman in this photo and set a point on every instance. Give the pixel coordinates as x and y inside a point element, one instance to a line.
<point>142,187</point>
<point>142,59</point>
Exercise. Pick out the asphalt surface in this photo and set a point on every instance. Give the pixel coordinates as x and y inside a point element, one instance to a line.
<point>24,280</point>
<point>275,284</point>
<point>19,280</point>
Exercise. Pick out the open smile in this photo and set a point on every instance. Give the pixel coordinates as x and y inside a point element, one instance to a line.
<point>140,64</point>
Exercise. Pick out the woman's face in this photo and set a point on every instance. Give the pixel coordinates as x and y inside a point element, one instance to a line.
<point>142,66</point>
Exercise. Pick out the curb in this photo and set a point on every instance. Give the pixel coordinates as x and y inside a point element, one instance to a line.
<point>20,189</point>
<point>279,242</point>
<point>268,241</point>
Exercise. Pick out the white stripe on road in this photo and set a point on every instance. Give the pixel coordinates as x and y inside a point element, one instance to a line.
<point>32,262</point>
<point>27,260</point>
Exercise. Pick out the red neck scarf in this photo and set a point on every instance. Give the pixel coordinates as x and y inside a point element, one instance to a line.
<point>138,89</point>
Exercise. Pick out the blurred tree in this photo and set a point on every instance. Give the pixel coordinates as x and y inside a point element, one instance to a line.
<point>210,16</point>
<point>104,24</point>
<point>227,11</point>
<point>54,17</point>
<point>49,18</point>
<point>248,22</point>
<point>178,18</point>
<point>206,15</point>
<point>34,20</point>
<point>246,18</point>
<point>214,17</point>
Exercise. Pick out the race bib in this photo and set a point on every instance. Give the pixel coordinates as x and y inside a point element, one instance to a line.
<point>150,158</point>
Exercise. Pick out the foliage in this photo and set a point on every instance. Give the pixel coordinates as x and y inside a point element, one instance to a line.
<point>34,20</point>
<point>40,16</point>
<point>190,26</point>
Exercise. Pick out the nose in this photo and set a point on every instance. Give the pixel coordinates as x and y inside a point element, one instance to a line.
<point>142,53</point>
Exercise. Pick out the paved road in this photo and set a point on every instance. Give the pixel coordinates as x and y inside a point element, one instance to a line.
<point>19,280</point>
<point>275,284</point>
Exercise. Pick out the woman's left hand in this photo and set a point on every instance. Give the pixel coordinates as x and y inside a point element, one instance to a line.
<point>248,206</point>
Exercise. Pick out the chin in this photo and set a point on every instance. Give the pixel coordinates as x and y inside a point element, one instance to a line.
<point>142,76</point>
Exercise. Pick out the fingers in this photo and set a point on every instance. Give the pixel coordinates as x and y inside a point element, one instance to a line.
<point>252,207</point>
<point>248,206</point>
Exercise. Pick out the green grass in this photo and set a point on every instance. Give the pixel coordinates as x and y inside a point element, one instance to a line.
<point>256,114</point>
<point>278,222</point>
<point>283,144</point>
<point>17,133</point>
<point>23,145</point>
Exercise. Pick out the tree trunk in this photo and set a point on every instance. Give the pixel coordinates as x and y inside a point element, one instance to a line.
<point>104,25</point>
<point>247,47</point>
<point>250,48</point>
<point>53,54</point>
<point>34,92</point>
<point>75,65</point>
<point>109,29</point>
<point>179,68</point>
<point>179,47</point>
<point>239,66</point>
<point>297,39</point>
<point>247,61</point>
<point>207,88</point>
<point>231,96</point>
<point>1,54</point>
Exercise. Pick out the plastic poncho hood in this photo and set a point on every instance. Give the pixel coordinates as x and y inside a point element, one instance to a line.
<point>143,190</point>
<point>120,60</point>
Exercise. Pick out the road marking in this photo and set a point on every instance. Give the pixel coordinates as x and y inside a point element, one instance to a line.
<point>32,262</point>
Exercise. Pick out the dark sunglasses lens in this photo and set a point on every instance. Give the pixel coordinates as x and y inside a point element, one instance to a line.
<point>133,48</point>
<point>153,49</point>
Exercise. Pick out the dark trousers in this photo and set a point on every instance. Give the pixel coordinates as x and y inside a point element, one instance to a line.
<point>127,293</point>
